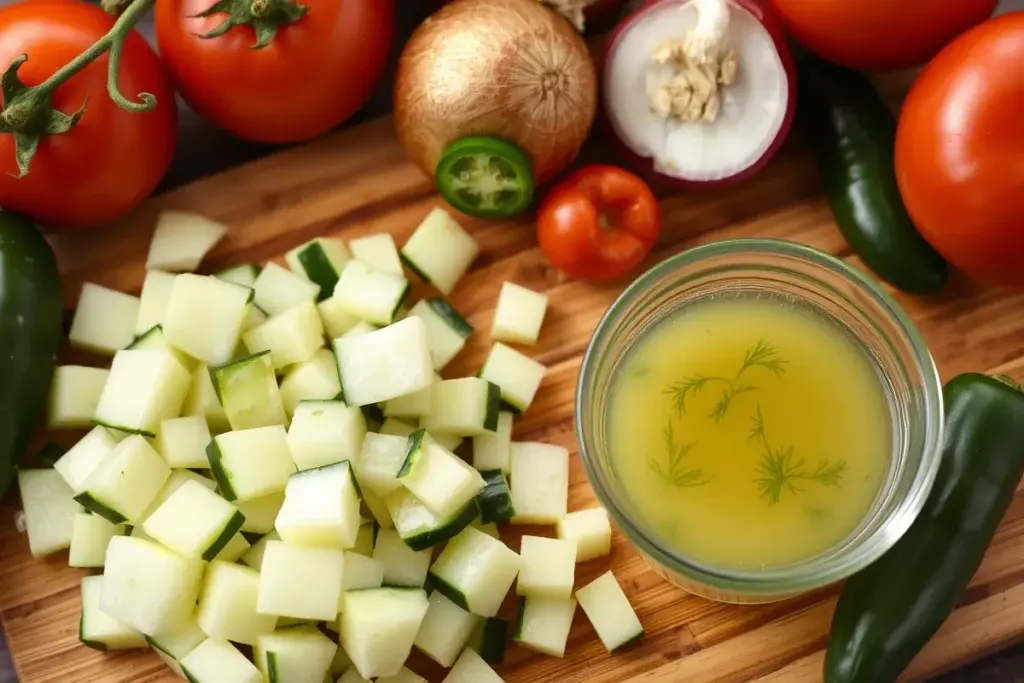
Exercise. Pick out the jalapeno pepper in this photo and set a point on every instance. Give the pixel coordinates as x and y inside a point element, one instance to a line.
<point>485,177</point>
<point>887,612</point>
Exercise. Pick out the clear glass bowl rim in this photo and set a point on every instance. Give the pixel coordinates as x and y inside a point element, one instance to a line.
<point>812,574</point>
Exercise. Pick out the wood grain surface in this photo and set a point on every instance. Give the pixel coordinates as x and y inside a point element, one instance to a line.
<point>358,182</point>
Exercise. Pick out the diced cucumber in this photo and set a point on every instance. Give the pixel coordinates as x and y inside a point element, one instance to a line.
<point>542,494</point>
<point>380,458</point>
<point>495,501</point>
<point>227,604</point>
<point>450,442</point>
<point>403,566</point>
<point>412,405</point>
<point>335,317</point>
<point>361,572</point>
<point>173,483</point>
<point>253,557</point>
<point>156,293</point>
<point>377,251</point>
<point>99,631</point>
<point>181,240</point>
<point>218,661</point>
<point>395,427</point>
<point>233,549</point>
<point>251,463</point>
<point>418,526</point>
<point>260,513</point>
<point>440,251</point>
<point>313,380</point>
<point>320,261</point>
<point>360,328</point>
<point>475,571</point>
<point>608,609</point>
<point>519,314</point>
<point>290,337</point>
<point>243,274</point>
<point>278,289</point>
<point>247,388</point>
<point>153,339</point>
<point>324,433</point>
<point>445,630</point>
<point>253,319</point>
<point>202,401</point>
<point>440,479</point>
<point>300,582</point>
<point>491,449</point>
<point>125,483</point>
<point>447,331</point>
<point>195,522</point>
<point>90,537</point>
<point>49,510</point>
<point>369,294</point>
<point>182,442</point>
<point>74,394</point>
<point>404,675</point>
<point>543,624</point>
<point>144,389</point>
<point>366,538</point>
<point>78,463</point>
<point>149,587</point>
<point>463,407</point>
<point>471,668</point>
<point>490,640</point>
<point>378,626</point>
<point>300,654</point>
<point>384,364</point>
<point>378,509</point>
<point>590,530</point>
<point>205,315</point>
<point>172,646</point>
<point>518,376</point>
<point>321,508</point>
<point>549,567</point>
<point>104,321</point>
<point>351,676</point>
<point>490,529</point>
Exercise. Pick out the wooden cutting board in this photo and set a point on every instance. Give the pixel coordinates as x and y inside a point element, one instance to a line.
<point>359,182</point>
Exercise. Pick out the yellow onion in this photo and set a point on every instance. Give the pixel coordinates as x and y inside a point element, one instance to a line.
<point>512,69</point>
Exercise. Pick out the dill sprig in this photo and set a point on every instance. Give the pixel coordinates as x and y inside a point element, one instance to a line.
<point>780,470</point>
<point>676,473</point>
<point>762,355</point>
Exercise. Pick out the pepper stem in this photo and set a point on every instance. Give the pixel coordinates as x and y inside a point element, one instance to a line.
<point>28,112</point>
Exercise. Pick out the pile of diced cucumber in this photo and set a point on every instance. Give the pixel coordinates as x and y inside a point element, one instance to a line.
<point>271,462</point>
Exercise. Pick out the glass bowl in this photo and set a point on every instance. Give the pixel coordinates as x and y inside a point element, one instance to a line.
<point>831,288</point>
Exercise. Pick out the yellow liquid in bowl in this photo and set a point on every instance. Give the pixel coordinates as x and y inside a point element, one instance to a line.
<point>749,433</point>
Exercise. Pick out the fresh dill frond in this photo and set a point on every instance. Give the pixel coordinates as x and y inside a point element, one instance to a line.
<point>675,472</point>
<point>757,428</point>
<point>762,354</point>
<point>690,386</point>
<point>722,406</point>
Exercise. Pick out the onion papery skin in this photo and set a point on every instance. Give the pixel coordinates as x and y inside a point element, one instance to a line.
<point>644,166</point>
<point>512,69</point>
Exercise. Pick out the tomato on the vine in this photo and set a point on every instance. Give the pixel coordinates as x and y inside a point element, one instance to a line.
<point>292,74</point>
<point>599,223</point>
<point>112,158</point>
<point>960,152</point>
<point>878,35</point>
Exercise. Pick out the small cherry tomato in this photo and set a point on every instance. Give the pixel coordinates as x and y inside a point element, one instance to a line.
<point>960,152</point>
<point>599,223</point>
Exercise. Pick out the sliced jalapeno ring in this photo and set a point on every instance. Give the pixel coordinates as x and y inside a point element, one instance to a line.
<point>485,177</point>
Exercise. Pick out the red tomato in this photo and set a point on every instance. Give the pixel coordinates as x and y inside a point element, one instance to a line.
<point>960,152</point>
<point>878,35</point>
<point>314,74</point>
<point>113,158</point>
<point>599,223</point>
